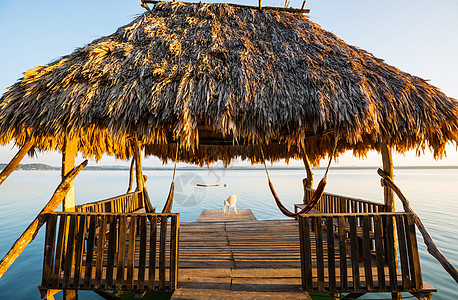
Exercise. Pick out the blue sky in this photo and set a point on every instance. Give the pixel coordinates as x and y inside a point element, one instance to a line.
<point>419,37</point>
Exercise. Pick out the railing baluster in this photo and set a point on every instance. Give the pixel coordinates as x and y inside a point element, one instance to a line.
<point>379,252</point>
<point>68,264</point>
<point>306,253</point>
<point>417,280</point>
<point>162,249</point>
<point>100,251</point>
<point>50,240</point>
<point>131,253</point>
<point>90,251</point>
<point>403,251</point>
<point>79,250</point>
<point>343,253</point>
<point>142,256</point>
<point>390,249</point>
<point>367,252</point>
<point>60,249</point>
<point>121,251</point>
<point>354,252</point>
<point>152,254</point>
<point>175,226</point>
<point>319,253</point>
<point>331,254</point>
<point>112,234</point>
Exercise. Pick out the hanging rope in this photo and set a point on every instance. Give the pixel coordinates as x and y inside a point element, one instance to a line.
<point>316,194</point>
<point>169,203</point>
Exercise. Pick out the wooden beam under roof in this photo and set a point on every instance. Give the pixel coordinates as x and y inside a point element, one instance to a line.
<point>286,9</point>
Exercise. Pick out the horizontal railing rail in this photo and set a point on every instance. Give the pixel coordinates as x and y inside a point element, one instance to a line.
<point>355,253</point>
<point>111,251</point>
<point>126,203</point>
<point>331,203</point>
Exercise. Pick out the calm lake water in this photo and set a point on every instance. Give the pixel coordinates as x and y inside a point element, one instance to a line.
<point>433,194</point>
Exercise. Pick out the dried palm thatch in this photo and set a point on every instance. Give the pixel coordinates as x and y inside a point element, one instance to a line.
<point>186,73</point>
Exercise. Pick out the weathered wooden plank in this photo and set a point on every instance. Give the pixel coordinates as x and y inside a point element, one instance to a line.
<point>174,238</point>
<point>50,239</point>
<point>90,251</point>
<point>367,253</point>
<point>301,241</point>
<point>142,255</point>
<point>403,251</point>
<point>307,278</point>
<point>390,249</point>
<point>60,249</point>
<point>112,245</point>
<point>131,252</point>
<point>68,264</point>
<point>319,253</point>
<point>217,215</point>
<point>152,253</point>
<point>379,251</point>
<point>162,249</point>
<point>343,253</point>
<point>331,254</point>
<point>79,250</point>
<point>100,250</point>
<point>354,253</point>
<point>417,280</point>
<point>121,251</point>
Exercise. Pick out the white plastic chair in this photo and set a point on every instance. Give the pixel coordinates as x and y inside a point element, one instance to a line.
<point>230,202</point>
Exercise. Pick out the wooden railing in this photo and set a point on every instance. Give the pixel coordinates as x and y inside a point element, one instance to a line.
<point>126,203</point>
<point>331,203</point>
<point>93,251</point>
<point>356,253</point>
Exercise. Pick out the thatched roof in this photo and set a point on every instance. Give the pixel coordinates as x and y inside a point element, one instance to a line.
<point>219,75</point>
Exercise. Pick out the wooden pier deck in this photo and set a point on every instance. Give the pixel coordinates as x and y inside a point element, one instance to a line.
<point>249,259</point>
<point>217,215</point>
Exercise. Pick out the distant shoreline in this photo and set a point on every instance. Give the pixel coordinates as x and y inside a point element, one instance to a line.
<point>45,167</point>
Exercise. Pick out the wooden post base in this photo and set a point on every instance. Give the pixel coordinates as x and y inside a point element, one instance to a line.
<point>47,294</point>
<point>70,295</point>
<point>423,296</point>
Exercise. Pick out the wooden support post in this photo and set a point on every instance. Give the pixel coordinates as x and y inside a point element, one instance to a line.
<point>307,182</point>
<point>387,160</point>
<point>31,231</point>
<point>131,176</point>
<point>136,147</point>
<point>14,163</point>
<point>69,152</point>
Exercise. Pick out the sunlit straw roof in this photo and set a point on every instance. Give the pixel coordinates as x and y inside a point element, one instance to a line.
<point>220,80</point>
